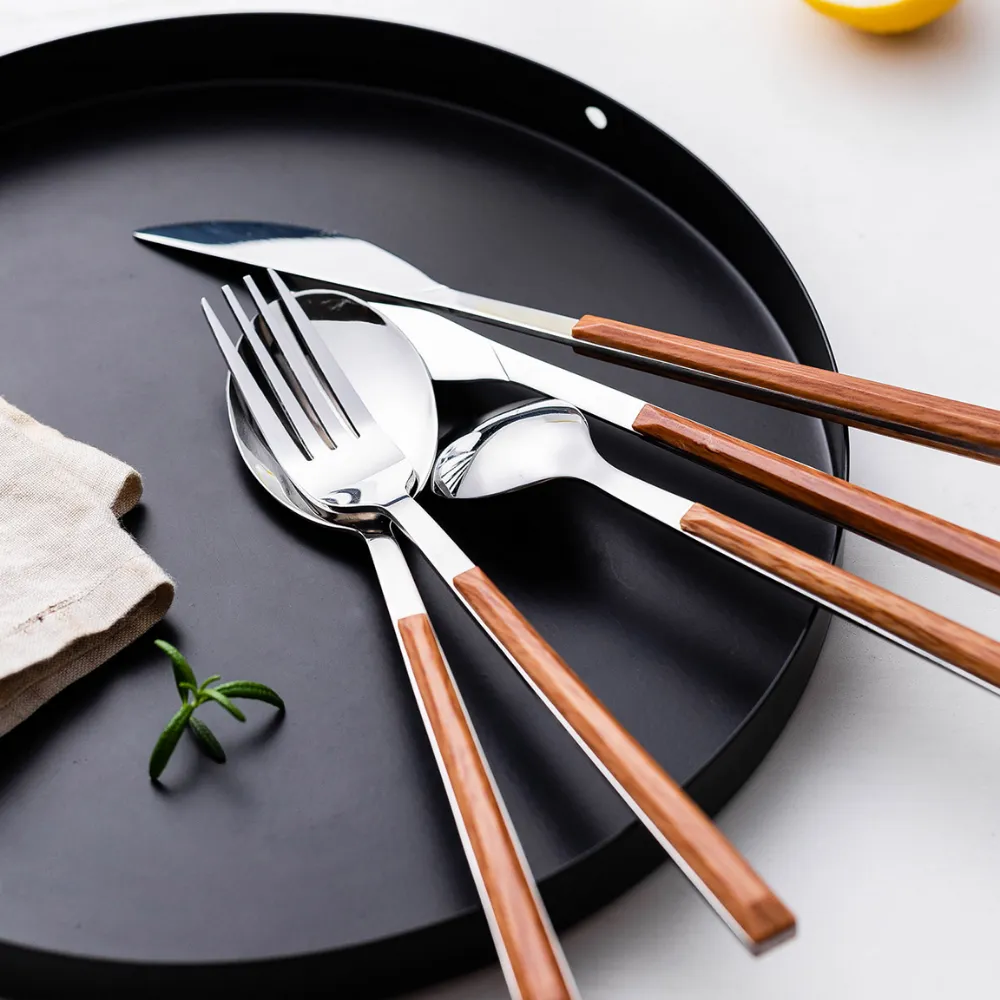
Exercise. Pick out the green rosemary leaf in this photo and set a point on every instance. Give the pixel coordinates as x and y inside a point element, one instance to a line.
<point>168,741</point>
<point>182,669</point>
<point>187,684</point>
<point>251,689</point>
<point>207,740</point>
<point>214,694</point>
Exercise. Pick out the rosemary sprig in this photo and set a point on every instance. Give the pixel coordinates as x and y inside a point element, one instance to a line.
<point>193,695</point>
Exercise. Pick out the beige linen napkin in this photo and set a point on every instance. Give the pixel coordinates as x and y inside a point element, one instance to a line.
<point>75,588</point>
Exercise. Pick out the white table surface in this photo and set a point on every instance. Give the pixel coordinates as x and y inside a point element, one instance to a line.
<point>876,164</point>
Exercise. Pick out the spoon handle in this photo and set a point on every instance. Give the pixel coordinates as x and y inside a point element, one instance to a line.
<point>722,875</point>
<point>940,543</point>
<point>939,639</point>
<point>529,952</point>
<point>942,423</point>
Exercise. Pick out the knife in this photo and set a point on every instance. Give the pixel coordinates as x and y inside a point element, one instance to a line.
<point>358,266</point>
<point>454,353</point>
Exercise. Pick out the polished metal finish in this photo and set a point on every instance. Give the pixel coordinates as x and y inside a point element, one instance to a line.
<point>450,351</point>
<point>528,443</point>
<point>349,263</point>
<point>397,390</point>
<point>453,353</point>
<point>359,266</point>
<point>346,471</point>
<point>531,443</point>
<point>399,394</point>
<point>359,469</point>
<point>376,274</point>
<point>399,589</point>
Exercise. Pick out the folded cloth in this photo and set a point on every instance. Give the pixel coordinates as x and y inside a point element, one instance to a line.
<point>75,588</point>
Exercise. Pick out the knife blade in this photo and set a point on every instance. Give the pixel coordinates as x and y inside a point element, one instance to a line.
<point>349,263</point>
<point>368,270</point>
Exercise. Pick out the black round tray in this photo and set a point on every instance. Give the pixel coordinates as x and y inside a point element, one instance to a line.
<point>323,852</point>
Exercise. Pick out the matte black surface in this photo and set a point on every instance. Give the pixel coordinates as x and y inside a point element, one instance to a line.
<point>324,848</point>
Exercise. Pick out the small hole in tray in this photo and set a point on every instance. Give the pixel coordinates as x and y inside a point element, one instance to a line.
<point>596,117</point>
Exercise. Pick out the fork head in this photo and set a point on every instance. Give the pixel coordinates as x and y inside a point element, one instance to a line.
<point>307,411</point>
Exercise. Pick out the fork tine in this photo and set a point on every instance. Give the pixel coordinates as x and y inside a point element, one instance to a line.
<point>294,412</point>
<point>273,431</point>
<point>339,384</point>
<point>330,420</point>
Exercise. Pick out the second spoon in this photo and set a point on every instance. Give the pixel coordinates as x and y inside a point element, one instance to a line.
<point>530,443</point>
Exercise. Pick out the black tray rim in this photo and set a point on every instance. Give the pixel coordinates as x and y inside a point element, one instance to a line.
<point>30,971</point>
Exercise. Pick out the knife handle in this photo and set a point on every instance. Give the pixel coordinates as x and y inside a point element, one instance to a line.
<point>933,540</point>
<point>690,837</point>
<point>942,423</point>
<point>943,640</point>
<point>526,943</point>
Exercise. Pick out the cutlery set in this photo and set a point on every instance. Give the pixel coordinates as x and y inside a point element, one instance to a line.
<point>302,422</point>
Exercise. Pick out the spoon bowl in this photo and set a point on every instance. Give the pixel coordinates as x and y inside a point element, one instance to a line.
<point>515,447</point>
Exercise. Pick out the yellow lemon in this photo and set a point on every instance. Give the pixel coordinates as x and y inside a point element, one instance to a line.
<point>884,18</point>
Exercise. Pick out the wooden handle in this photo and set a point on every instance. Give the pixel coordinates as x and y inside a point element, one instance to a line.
<point>530,954</point>
<point>947,640</point>
<point>916,416</point>
<point>945,545</point>
<point>698,845</point>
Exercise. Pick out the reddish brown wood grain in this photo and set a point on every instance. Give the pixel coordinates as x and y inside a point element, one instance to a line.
<point>730,879</point>
<point>931,420</point>
<point>925,629</point>
<point>961,552</point>
<point>523,929</point>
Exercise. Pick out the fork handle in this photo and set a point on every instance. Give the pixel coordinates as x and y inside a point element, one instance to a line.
<point>935,421</point>
<point>514,908</point>
<point>529,952</point>
<point>713,864</point>
<point>940,543</point>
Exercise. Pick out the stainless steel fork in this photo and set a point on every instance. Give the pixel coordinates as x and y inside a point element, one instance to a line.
<point>342,463</point>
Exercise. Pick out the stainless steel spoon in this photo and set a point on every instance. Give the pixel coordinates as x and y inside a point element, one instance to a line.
<point>530,443</point>
<point>390,378</point>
